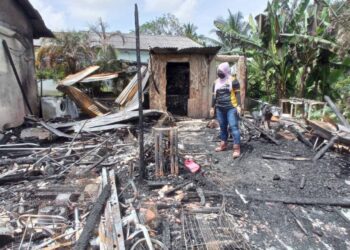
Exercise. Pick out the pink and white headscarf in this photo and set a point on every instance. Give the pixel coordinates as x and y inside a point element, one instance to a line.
<point>225,68</point>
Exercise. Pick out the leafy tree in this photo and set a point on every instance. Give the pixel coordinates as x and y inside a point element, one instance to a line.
<point>290,43</point>
<point>167,24</point>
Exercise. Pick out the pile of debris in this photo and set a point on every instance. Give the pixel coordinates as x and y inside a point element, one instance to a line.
<point>75,184</point>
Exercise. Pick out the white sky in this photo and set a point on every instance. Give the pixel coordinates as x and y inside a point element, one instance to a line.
<point>119,14</point>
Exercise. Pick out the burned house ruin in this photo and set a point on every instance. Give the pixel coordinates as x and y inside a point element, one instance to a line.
<point>20,23</point>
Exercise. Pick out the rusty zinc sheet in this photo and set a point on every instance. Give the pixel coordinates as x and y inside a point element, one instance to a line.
<point>82,100</point>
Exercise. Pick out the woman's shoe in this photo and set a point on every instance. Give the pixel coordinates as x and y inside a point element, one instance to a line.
<point>222,147</point>
<point>236,151</point>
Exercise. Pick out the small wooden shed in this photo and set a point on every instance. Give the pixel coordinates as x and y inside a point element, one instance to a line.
<point>182,79</point>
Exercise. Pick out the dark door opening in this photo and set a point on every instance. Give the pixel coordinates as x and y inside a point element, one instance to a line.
<point>178,87</point>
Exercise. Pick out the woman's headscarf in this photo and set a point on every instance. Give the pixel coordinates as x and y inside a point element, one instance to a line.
<point>224,68</point>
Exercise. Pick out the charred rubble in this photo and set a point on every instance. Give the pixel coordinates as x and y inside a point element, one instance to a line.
<point>76,184</point>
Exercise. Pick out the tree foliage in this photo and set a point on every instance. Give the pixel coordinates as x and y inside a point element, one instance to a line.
<point>68,52</point>
<point>296,48</point>
<point>167,24</point>
<point>170,25</point>
<point>106,55</point>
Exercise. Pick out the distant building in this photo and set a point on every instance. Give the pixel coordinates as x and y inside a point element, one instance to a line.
<point>125,44</point>
<point>20,23</point>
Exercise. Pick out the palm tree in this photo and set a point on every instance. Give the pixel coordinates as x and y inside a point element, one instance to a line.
<point>68,50</point>
<point>190,31</point>
<point>233,23</point>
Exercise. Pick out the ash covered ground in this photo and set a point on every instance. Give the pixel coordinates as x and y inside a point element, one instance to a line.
<point>271,225</point>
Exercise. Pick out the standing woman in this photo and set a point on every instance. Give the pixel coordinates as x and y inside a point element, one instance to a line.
<point>227,102</point>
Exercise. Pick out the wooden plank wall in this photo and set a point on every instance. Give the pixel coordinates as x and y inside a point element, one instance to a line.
<point>199,101</point>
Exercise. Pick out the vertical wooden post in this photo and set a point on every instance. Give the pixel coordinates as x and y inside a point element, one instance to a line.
<point>242,78</point>
<point>139,84</point>
<point>171,146</point>
<point>161,154</point>
<point>156,152</point>
<point>176,152</point>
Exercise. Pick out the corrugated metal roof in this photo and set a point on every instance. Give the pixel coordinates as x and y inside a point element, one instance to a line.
<point>192,50</point>
<point>38,24</point>
<point>128,41</point>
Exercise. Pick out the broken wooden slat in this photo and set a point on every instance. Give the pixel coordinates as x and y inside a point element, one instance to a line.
<point>301,226</point>
<point>325,148</point>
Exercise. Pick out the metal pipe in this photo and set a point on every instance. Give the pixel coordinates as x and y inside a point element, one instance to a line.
<point>139,84</point>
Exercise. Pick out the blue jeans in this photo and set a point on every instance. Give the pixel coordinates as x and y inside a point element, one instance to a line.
<point>228,117</point>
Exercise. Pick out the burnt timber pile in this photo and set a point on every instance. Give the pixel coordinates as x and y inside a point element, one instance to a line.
<point>76,185</point>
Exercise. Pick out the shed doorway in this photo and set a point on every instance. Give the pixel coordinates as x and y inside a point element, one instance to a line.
<point>177,87</point>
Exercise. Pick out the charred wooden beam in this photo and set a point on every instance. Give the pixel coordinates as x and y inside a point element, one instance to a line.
<point>287,158</point>
<point>93,219</point>
<point>341,201</point>
<point>22,160</point>
<point>300,136</point>
<point>33,175</point>
<point>302,182</point>
<point>157,184</point>
<point>325,148</point>
<point>262,131</point>
<point>96,164</point>
<point>139,85</point>
<point>170,191</point>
